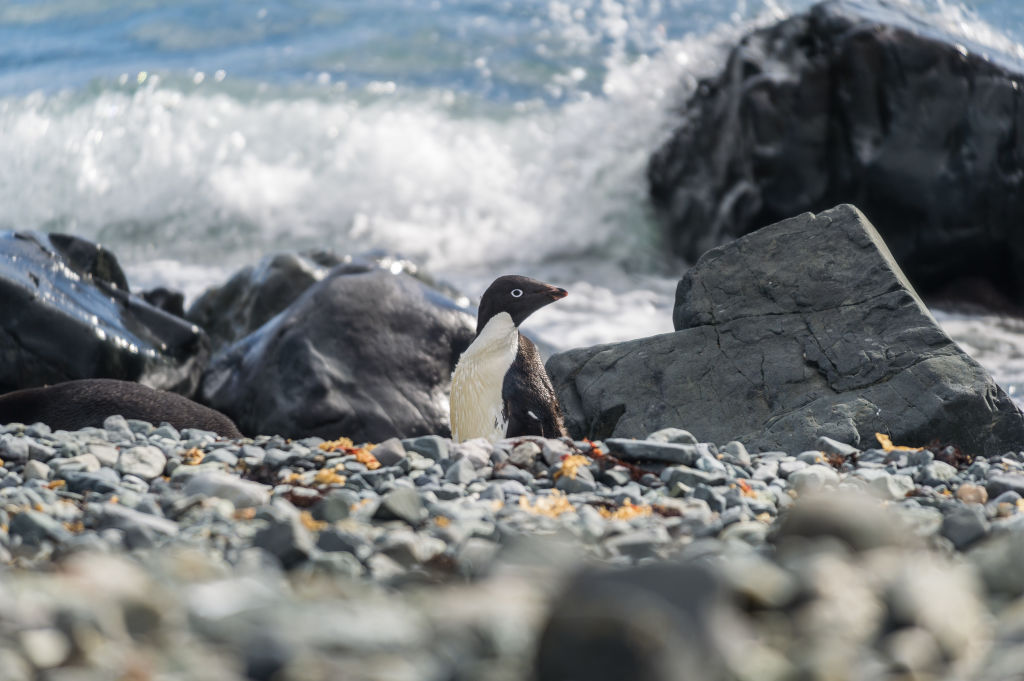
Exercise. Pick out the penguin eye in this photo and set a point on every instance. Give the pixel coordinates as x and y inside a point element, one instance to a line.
<point>517,293</point>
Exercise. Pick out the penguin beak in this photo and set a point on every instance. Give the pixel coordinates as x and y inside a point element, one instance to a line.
<point>556,293</point>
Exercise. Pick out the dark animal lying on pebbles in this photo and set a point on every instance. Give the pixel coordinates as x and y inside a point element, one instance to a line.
<point>78,404</point>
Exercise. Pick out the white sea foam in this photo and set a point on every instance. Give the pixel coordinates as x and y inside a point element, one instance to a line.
<point>188,176</point>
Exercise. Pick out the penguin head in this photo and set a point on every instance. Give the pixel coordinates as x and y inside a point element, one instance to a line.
<point>518,296</point>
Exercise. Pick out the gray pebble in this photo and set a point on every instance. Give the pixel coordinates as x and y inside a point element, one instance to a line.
<point>830,446</point>
<point>287,539</point>
<point>964,525</point>
<point>118,429</point>
<point>14,448</point>
<point>390,452</point>
<point>35,526</point>
<point>146,462</point>
<point>430,446</point>
<point>461,472</point>
<point>402,504</point>
<point>241,493</point>
<point>667,452</point>
<point>813,478</point>
<point>37,470</point>
<point>673,435</point>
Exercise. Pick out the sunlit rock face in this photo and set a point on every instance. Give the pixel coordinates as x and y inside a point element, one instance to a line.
<point>66,313</point>
<point>804,328</point>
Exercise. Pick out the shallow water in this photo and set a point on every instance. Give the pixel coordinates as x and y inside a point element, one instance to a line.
<point>475,138</point>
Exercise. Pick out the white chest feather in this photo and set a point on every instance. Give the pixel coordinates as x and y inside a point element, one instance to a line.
<point>476,404</point>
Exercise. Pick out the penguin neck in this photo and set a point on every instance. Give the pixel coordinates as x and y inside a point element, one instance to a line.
<point>499,335</point>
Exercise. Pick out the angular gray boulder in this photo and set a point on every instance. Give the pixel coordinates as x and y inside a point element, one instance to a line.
<point>804,328</point>
<point>858,103</point>
<point>66,313</point>
<point>365,355</point>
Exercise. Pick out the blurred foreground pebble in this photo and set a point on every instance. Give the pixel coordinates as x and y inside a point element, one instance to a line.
<point>142,552</point>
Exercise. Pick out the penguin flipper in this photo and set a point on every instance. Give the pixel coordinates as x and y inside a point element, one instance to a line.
<point>530,404</point>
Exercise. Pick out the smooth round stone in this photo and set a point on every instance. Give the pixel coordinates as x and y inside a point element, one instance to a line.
<point>811,457</point>
<point>45,648</point>
<point>736,453</point>
<point>146,462</point>
<point>221,455</point>
<point>525,455</point>
<point>813,478</point>
<point>921,457</point>
<point>891,487</point>
<point>37,470</point>
<point>673,435</point>
<point>970,493</point>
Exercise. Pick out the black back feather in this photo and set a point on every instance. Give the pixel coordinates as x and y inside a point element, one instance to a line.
<point>530,403</point>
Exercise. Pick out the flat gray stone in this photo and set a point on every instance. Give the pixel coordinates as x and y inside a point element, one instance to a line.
<point>1006,482</point>
<point>241,493</point>
<point>34,526</point>
<point>431,446</point>
<point>86,463</point>
<point>402,504</point>
<point>803,329</point>
<point>649,450</point>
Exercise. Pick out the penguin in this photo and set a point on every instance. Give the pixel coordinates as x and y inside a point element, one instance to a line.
<point>73,405</point>
<point>500,387</point>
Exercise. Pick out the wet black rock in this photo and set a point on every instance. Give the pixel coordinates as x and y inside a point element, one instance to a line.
<point>66,313</point>
<point>368,355</point>
<point>806,328</point>
<point>857,103</point>
<point>256,293</point>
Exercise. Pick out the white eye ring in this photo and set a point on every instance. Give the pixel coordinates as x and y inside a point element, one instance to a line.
<point>517,293</point>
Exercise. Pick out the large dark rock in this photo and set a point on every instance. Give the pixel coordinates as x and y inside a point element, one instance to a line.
<point>366,355</point>
<point>859,104</point>
<point>66,313</point>
<point>256,293</point>
<point>804,328</point>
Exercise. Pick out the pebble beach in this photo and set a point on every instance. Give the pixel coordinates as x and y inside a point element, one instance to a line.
<point>135,551</point>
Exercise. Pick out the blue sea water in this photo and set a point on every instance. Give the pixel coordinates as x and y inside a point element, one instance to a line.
<point>475,138</point>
